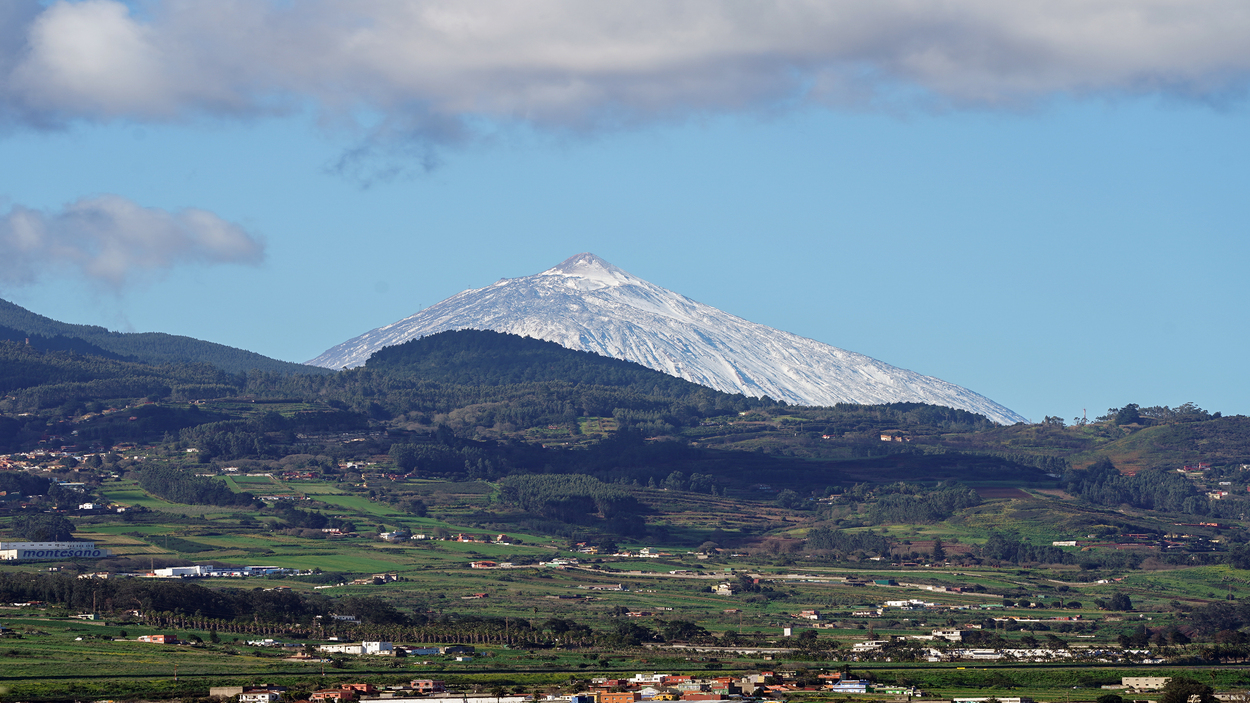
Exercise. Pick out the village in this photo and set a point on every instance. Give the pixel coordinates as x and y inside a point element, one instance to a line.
<point>763,685</point>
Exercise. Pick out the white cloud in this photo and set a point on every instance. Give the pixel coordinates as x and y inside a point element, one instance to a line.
<point>113,241</point>
<point>430,68</point>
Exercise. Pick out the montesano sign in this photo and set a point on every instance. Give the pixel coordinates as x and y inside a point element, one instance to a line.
<point>14,551</point>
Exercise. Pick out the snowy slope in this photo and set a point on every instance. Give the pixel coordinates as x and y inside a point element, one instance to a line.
<point>588,304</point>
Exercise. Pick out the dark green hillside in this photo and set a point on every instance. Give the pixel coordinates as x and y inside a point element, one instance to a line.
<point>18,323</point>
<point>54,343</point>
<point>486,358</point>
<point>35,379</point>
<point>1219,441</point>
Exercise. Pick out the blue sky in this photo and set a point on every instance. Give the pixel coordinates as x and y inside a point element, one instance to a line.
<point>1047,209</point>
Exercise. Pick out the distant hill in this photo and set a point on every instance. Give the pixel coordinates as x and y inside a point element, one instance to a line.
<point>486,358</point>
<point>1219,441</point>
<point>19,325</point>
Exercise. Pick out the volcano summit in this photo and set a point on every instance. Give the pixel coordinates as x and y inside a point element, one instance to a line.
<point>590,305</point>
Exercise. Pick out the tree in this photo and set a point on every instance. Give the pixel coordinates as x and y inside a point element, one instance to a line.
<point>405,456</point>
<point>44,528</point>
<point>789,499</point>
<point>1182,689</point>
<point>1127,415</point>
<point>939,553</point>
<point>1120,601</point>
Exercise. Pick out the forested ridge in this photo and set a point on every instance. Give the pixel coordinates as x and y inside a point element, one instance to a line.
<point>146,347</point>
<point>486,358</point>
<point>181,486</point>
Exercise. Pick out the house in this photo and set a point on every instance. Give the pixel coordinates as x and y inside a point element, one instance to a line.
<point>333,694</point>
<point>1145,683</point>
<point>261,695</point>
<point>808,614</point>
<point>724,589</point>
<point>383,649</point>
<point>483,565</point>
<point>427,686</point>
<point>341,648</point>
<point>625,697</point>
<point>158,639</point>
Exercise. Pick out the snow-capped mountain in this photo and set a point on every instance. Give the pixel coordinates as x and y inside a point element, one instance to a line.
<point>588,304</point>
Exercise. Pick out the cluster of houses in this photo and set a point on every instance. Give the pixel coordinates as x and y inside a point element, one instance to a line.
<point>876,650</point>
<point>642,687</point>
<point>404,535</point>
<point>198,571</point>
<point>389,649</point>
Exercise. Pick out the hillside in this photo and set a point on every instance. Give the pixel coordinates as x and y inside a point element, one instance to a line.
<point>481,357</point>
<point>18,324</point>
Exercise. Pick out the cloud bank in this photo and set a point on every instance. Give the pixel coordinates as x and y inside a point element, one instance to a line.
<point>434,68</point>
<point>115,242</point>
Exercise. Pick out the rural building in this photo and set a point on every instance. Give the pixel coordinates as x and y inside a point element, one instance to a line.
<point>1145,683</point>
<point>625,697</point>
<point>333,694</point>
<point>260,695</point>
<point>158,639</point>
<point>385,649</point>
<point>427,686</point>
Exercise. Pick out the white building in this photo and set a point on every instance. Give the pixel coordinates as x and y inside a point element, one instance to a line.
<point>341,648</point>
<point>385,649</point>
<point>379,648</point>
<point>1145,683</point>
<point>182,572</point>
<point>263,695</point>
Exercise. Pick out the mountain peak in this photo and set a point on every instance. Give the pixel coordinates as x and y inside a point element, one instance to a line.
<point>589,272</point>
<point>586,303</point>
